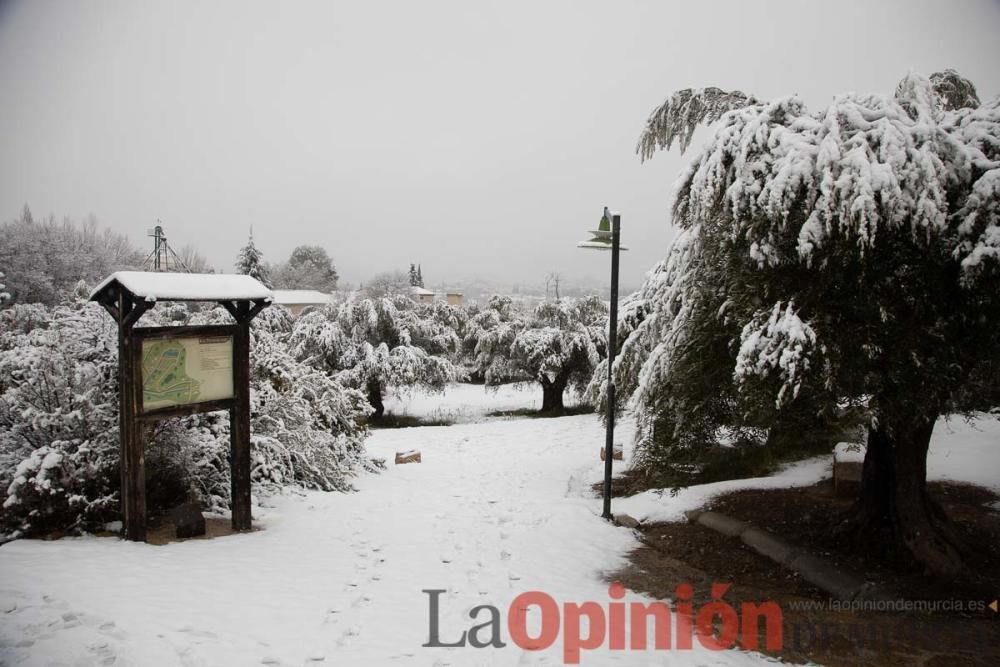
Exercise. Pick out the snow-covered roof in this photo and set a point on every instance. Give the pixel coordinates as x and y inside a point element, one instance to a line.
<point>298,297</point>
<point>420,291</point>
<point>153,286</point>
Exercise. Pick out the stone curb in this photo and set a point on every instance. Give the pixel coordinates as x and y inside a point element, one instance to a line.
<point>839,584</point>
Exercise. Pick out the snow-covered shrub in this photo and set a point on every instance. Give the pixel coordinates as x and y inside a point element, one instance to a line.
<point>59,457</point>
<point>58,418</point>
<point>4,294</point>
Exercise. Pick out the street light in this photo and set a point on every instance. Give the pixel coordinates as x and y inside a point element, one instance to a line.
<point>607,237</point>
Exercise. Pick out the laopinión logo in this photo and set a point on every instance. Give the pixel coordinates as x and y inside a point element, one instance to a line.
<point>717,624</point>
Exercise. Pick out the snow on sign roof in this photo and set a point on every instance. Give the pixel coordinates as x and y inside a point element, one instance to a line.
<point>296,297</point>
<point>153,286</point>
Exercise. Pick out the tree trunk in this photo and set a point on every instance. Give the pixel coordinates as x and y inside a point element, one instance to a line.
<point>375,399</point>
<point>552,392</point>
<point>894,505</point>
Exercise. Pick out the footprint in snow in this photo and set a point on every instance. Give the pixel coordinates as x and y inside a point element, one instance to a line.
<point>201,634</point>
<point>348,635</point>
<point>102,652</point>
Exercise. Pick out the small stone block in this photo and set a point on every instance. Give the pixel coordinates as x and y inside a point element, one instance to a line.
<point>626,520</point>
<point>409,456</point>
<point>617,455</point>
<point>848,463</point>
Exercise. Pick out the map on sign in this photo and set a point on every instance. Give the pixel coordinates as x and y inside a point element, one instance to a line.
<point>182,371</point>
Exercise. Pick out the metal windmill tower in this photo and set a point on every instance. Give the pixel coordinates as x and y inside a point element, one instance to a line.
<point>163,257</point>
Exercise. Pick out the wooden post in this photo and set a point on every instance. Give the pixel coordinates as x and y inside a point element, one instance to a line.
<point>133,460</point>
<point>239,420</point>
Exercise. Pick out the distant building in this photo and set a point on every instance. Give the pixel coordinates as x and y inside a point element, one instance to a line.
<point>421,295</point>
<point>297,300</point>
<point>455,298</point>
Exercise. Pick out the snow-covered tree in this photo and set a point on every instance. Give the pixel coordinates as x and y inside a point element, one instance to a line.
<point>848,255</point>
<point>388,284</point>
<point>559,345</point>
<point>487,339</point>
<point>44,259</point>
<point>308,267</point>
<point>413,275</point>
<point>250,262</point>
<point>376,345</point>
<point>192,260</point>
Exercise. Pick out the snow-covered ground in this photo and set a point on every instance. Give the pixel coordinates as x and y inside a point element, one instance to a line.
<point>960,451</point>
<point>495,509</point>
<point>469,403</point>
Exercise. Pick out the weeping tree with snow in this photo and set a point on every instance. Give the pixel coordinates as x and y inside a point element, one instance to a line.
<point>849,255</point>
<point>250,262</point>
<point>487,338</point>
<point>376,345</point>
<point>558,346</point>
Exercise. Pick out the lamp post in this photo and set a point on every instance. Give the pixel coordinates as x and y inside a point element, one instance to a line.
<point>607,237</point>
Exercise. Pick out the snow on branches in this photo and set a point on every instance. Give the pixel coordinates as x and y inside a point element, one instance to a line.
<point>378,344</point>
<point>250,262</point>
<point>678,117</point>
<point>878,217</point>
<point>777,343</point>
<point>863,166</point>
<point>558,345</point>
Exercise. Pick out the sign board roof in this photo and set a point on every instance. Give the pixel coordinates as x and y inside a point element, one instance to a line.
<point>155,286</point>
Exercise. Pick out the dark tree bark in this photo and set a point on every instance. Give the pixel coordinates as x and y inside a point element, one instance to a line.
<point>894,505</point>
<point>375,399</point>
<point>552,392</point>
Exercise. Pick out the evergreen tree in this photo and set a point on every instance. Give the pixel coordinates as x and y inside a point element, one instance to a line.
<point>250,262</point>
<point>413,275</point>
<point>849,256</point>
<point>420,277</point>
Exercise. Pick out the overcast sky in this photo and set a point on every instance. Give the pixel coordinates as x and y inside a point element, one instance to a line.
<point>477,138</point>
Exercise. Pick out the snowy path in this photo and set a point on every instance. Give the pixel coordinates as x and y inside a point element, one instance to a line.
<point>495,509</point>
